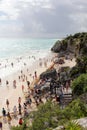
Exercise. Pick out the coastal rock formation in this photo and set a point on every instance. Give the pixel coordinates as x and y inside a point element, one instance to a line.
<point>72,45</point>
<point>50,73</point>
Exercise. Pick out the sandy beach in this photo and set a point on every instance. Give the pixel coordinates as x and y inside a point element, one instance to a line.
<point>12,94</point>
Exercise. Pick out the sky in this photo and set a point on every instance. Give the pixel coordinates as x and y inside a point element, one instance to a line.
<point>42,18</point>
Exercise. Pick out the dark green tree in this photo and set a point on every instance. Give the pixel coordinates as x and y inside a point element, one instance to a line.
<point>79,85</point>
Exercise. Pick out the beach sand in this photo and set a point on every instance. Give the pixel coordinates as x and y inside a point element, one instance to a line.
<point>12,94</point>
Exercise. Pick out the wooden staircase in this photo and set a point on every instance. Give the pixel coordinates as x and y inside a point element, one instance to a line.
<point>67,98</point>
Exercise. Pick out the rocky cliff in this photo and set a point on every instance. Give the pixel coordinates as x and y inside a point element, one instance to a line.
<point>73,45</point>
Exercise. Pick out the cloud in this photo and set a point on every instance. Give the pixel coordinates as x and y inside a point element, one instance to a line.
<point>42,18</point>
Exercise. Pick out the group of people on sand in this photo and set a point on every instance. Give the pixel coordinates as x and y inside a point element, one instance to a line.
<point>21,109</point>
<point>7,115</point>
<point>33,98</point>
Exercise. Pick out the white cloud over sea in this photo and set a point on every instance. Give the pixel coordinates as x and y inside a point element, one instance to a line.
<point>42,18</point>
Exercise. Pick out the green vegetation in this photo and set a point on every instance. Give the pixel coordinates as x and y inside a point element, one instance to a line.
<point>73,126</point>
<point>50,115</point>
<point>79,85</point>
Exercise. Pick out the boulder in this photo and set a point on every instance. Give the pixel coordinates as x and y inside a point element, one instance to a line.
<point>59,128</point>
<point>56,47</point>
<point>75,45</point>
<point>59,61</point>
<point>63,76</point>
<point>50,73</point>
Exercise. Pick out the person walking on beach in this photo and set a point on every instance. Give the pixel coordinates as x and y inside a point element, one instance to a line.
<point>15,111</point>
<point>20,121</point>
<point>9,118</point>
<point>14,83</point>
<point>35,75</point>
<point>3,112</point>
<point>7,83</point>
<point>22,88</point>
<point>28,84</point>
<point>19,77</point>
<point>19,108</point>
<point>0,125</point>
<point>4,115</point>
<point>19,100</point>
<point>7,103</point>
<point>0,81</point>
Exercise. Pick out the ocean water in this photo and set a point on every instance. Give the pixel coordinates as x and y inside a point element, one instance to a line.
<point>18,52</point>
<point>12,49</point>
<point>17,47</point>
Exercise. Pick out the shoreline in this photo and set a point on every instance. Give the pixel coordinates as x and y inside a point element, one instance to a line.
<point>12,94</point>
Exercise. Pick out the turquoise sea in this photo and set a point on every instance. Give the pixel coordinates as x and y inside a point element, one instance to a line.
<point>18,51</point>
<point>25,54</point>
<point>16,47</point>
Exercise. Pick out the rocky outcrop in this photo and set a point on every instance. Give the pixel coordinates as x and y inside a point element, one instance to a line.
<point>72,45</point>
<point>59,128</point>
<point>82,122</point>
<point>50,73</point>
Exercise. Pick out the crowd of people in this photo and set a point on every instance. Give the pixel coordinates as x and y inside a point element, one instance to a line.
<point>21,109</point>
<point>34,96</point>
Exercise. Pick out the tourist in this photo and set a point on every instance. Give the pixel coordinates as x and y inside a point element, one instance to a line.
<point>19,78</point>
<point>40,100</point>
<point>7,83</point>
<point>3,112</point>
<point>22,88</point>
<point>7,103</point>
<point>26,113</point>
<point>24,105</point>
<point>28,83</point>
<point>12,64</point>
<point>0,125</point>
<point>9,118</point>
<point>14,83</point>
<point>15,111</point>
<point>0,81</point>
<point>19,108</point>
<point>4,115</point>
<point>20,121</point>
<point>29,101</point>
<point>21,72</point>
<point>35,75</point>
<point>19,100</point>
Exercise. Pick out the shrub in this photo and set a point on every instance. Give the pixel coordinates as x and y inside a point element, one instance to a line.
<point>73,126</point>
<point>79,85</point>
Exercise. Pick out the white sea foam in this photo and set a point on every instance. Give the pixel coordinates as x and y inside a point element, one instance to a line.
<point>20,63</point>
<point>20,52</point>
